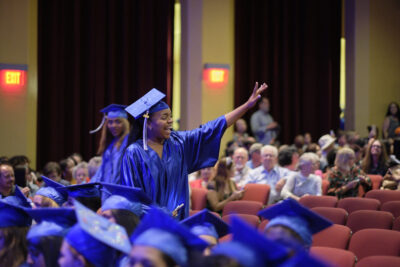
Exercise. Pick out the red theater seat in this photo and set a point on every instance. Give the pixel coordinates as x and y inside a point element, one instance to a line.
<point>257,192</point>
<point>335,256</point>
<point>335,215</point>
<point>242,207</point>
<point>392,207</point>
<point>373,242</point>
<point>396,224</point>
<point>318,201</point>
<point>383,195</point>
<point>376,180</point>
<point>250,219</point>
<point>199,198</point>
<point>363,219</point>
<point>351,204</point>
<point>336,236</point>
<point>384,261</point>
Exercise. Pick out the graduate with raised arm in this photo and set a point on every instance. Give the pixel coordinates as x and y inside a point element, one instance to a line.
<point>158,159</point>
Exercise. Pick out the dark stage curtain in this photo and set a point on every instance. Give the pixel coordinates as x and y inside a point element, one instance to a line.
<point>93,53</point>
<point>294,46</point>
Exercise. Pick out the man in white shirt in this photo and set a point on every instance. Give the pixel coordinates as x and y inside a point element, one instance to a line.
<point>240,158</point>
<point>269,173</point>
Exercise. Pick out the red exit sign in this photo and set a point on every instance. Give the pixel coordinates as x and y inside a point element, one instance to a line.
<point>12,77</point>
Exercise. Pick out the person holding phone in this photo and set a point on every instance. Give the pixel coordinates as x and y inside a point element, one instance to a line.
<point>222,189</point>
<point>346,178</point>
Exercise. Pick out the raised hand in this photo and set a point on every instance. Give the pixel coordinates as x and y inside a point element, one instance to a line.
<point>257,91</point>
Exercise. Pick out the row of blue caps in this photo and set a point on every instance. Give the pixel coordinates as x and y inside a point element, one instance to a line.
<point>163,232</point>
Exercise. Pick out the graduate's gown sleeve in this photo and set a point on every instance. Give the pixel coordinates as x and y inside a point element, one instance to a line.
<point>165,180</point>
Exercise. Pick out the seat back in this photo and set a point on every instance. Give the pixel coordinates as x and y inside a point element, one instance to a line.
<point>396,224</point>
<point>334,256</point>
<point>336,236</point>
<point>199,198</point>
<point>351,204</point>
<point>257,192</point>
<point>242,207</point>
<point>250,219</point>
<point>376,180</point>
<point>387,261</point>
<point>383,195</point>
<point>335,215</point>
<point>318,201</point>
<point>392,207</point>
<point>363,219</point>
<point>372,242</point>
<point>325,186</point>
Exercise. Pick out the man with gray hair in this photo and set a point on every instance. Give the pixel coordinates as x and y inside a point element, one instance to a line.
<point>240,158</point>
<point>269,173</point>
<point>255,156</point>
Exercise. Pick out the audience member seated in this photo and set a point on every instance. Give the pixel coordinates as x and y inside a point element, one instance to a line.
<point>326,144</point>
<point>346,178</point>
<point>240,158</point>
<point>288,158</point>
<point>67,166</point>
<point>255,156</point>
<point>298,144</point>
<point>93,165</point>
<point>52,170</point>
<point>76,157</point>
<point>270,173</point>
<point>222,189</point>
<point>24,179</point>
<point>391,180</point>
<point>80,173</point>
<point>376,160</point>
<point>206,176</point>
<point>304,182</point>
<point>392,120</point>
<point>240,136</point>
<point>7,180</point>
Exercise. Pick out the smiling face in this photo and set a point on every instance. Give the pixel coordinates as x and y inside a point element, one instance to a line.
<point>116,126</point>
<point>376,148</point>
<point>269,157</point>
<point>159,126</point>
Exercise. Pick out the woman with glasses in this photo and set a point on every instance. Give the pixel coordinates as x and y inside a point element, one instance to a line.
<point>375,160</point>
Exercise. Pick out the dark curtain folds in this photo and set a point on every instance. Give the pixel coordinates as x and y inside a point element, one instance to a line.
<point>294,46</point>
<point>93,53</point>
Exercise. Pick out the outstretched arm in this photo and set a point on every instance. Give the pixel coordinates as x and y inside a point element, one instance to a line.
<point>237,113</point>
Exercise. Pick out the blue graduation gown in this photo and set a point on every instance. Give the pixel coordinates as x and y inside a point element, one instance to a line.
<point>109,170</point>
<point>165,180</point>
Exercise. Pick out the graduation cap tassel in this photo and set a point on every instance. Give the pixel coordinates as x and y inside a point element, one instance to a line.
<point>100,126</point>
<point>146,116</point>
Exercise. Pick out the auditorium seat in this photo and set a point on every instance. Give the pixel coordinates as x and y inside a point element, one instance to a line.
<point>392,207</point>
<point>257,192</point>
<point>376,180</point>
<point>396,224</point>
<point>199,198</point>
<point>318,201</point>
<point>336,236</point>
<point>351,204</point>
<point>262,225</point>
<point>242,207</point>
<point>335,256</point>
<point>384,261</point>
<point>383,195</point>
<point>372,242</point>
<point>362,219</point>
<point>250,219</point>
<point>193,212</point>
<point>335,215</point>
<point>325,185</point>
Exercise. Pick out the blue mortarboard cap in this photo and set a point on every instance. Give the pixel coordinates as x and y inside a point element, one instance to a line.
<point>46,229</point>
<point>65,217</point>
<point>18,199</point>
<point>300,219</point>
<point>51,183</point>
<point>145,103</point>
<point>115,111</point>
<point>160,231</point>
<point>131,193</point>
<point>82,190</point>
<point>250,248</point>
<point>12,214</point>
<point>206,223</point>
<point>111,112</point>
<point>53,194</point>
<point>121,203</point>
